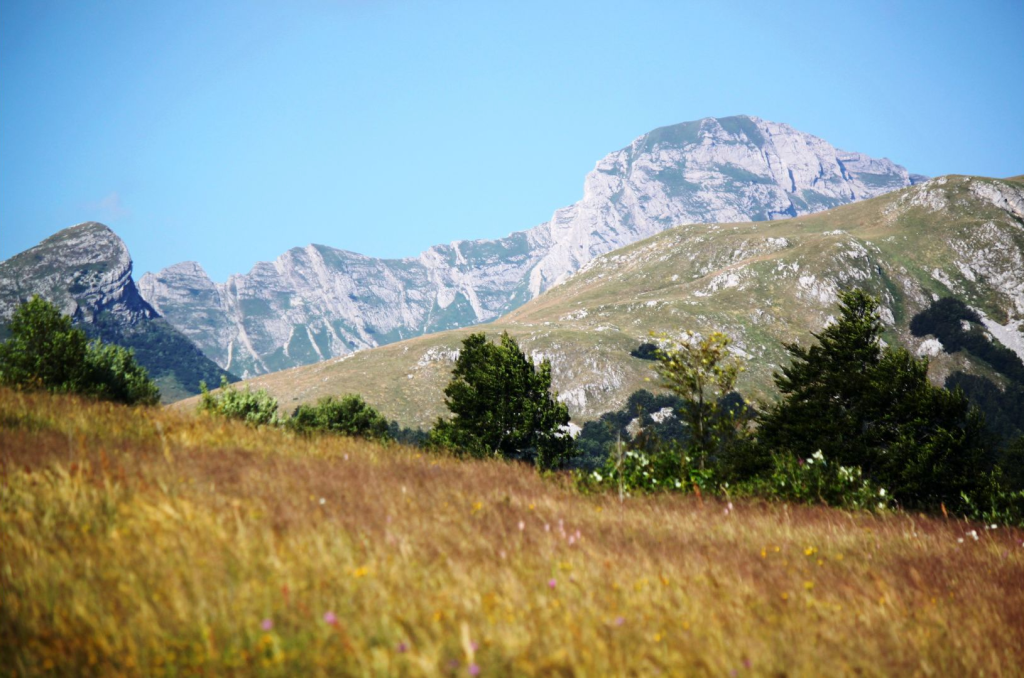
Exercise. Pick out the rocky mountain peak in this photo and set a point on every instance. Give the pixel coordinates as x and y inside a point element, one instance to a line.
<point>85,270</point>
<point>319,302</point>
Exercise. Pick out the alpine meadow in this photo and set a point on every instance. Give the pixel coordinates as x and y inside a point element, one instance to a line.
<point>315,359</point>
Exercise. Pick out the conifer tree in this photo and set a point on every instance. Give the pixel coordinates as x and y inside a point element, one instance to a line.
<point>502,406</point>
<point>866,406</point>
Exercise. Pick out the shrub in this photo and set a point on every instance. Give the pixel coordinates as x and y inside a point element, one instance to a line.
<point>647,464</point>
<point>255,408</point>
<point>46,352</point>
<point>816,479</point>
<point>113,374</point>
<point>348,415</point>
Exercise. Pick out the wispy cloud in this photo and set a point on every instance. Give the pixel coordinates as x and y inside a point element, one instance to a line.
<point>109,208</point>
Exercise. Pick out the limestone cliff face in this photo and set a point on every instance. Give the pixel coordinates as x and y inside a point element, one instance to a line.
<point>318,302</point>
<point>85,270</point>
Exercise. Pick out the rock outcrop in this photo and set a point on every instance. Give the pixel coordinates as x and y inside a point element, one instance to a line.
<point>318,302</point>
<point>86,271</point>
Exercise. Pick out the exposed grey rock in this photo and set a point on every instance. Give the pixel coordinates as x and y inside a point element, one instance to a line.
<point>84,270</point>
<point>318,302</point>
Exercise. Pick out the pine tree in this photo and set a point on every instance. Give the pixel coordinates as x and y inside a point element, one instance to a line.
<point>502,406</point>
<point>866,406</point>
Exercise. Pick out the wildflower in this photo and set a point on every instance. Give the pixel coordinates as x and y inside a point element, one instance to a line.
<point>402,647</point>
<point>552,583</point>
<point>959,540</point>
<point>817,456</point>
<point>331,618</point>
<point>619,621</point>
<point>322,501</point>
<point>597,476</point>
<point>474,670</point>
<point>973,534</point>
<point>267,624</point>
<point>881,492</point>
<point>522,526</point>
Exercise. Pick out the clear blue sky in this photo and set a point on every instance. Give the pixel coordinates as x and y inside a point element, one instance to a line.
<point>228,132</point>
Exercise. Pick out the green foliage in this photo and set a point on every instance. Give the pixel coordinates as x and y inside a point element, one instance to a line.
<point>502,406</point>
<point>1000,501</point>
<point>46,352</point>
<point>647,464</point>
<point>598,439</point>
<point>815,480</point>
<point>875,409</point>
<point>348,415</point>
<point>255,408</point>
<point>702,372</point>
<point>113,374</point>
<point>166,353</point>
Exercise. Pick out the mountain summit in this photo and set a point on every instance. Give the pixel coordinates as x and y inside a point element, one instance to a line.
<point>86,271</point>
<point>318,302</point>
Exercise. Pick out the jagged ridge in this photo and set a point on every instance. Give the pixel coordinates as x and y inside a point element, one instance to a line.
<point>86,271</point>
<point>318,302</point>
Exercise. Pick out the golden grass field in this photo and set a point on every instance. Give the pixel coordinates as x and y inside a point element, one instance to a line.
<point>156,542</point>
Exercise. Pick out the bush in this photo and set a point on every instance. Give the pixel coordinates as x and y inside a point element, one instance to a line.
<point>816,479</point>
<point>348,415</point>
<point>46,352</point>
<point>645,465</point>
<point>113,374</point>
<point>255,408</point>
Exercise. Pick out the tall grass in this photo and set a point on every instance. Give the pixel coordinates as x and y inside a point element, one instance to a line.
<point>159,543</point>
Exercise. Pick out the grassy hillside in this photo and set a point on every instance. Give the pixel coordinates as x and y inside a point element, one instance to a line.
<point>153,542</point>
<point>764,283</point>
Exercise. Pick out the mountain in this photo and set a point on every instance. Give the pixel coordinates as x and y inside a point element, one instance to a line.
<point>86,271</point>
<point>318,302</point>
<point>763,283</point>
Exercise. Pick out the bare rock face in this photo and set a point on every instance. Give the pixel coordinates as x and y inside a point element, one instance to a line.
<point>317,302</point>
<point>85,270</point>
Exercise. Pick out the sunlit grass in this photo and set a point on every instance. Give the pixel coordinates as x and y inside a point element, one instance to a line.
<point>155,542</point>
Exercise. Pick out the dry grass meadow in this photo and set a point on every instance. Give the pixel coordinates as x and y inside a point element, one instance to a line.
<point>155,542</point>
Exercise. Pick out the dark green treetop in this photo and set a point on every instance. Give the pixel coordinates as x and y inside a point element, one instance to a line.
<point>866,406</point>
<point>349,415</point>
<point>502,406</point>
<point>46,352</point>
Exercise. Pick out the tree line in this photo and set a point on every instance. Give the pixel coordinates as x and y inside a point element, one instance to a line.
<point>857,424</point>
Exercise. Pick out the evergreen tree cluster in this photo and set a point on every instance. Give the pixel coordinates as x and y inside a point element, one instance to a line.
<point>46,352</point>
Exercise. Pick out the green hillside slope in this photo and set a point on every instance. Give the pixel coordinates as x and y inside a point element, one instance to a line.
<point>763,283</point>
